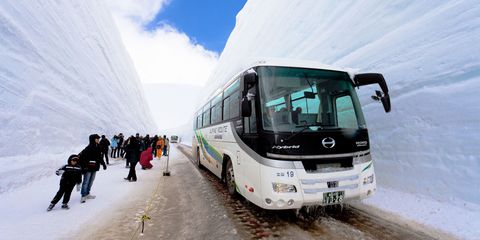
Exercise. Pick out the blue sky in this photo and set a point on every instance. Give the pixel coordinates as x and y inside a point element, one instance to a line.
<point>206,22</point>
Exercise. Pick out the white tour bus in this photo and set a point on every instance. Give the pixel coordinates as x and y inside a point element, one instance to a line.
<point>288,134</point>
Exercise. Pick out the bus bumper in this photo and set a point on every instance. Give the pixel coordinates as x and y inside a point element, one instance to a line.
<point>295,188</point>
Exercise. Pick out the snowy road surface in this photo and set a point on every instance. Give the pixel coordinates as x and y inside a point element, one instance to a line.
<point>192,204</point>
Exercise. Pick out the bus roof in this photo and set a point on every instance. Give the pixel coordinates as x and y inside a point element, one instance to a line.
<point>283,62</point>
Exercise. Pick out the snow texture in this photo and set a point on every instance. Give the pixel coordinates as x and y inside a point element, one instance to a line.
<point>428,52</point>
<point>64,74</point>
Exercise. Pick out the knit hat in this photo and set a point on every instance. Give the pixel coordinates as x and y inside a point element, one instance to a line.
<point>72,158</point>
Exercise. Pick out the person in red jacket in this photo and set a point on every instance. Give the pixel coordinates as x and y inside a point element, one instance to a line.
<point>145,158</point>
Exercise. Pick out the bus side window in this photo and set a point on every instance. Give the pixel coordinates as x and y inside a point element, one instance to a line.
<point>226,108</point>
<point>199,121</point>
<point>206,117</point>
<point>251,122</point>
<point>216,109</point>
<point>235,104</point>
<point>231,101</point>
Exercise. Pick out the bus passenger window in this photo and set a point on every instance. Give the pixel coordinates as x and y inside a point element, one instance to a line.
<point>226,108</point>
<point>235,105</point>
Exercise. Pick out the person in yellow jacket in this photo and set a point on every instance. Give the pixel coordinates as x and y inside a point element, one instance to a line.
<point>160,146</point>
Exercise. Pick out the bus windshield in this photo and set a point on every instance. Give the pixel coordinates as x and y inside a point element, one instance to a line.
<point>299,99</point>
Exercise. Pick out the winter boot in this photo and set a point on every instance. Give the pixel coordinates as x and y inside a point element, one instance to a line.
<point>89,196</point>
<point>50,207</point>
<point>83,199</point>
<point>65,206</point>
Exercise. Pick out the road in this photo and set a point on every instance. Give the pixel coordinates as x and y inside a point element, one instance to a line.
<point>192,203</point>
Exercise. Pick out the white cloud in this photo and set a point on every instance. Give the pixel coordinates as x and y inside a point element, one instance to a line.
<point>140,10</point>
<point>164,55</point>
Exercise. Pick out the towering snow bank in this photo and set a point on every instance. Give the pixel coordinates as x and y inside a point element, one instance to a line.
<point>428,53</point>
<point>64,74</point>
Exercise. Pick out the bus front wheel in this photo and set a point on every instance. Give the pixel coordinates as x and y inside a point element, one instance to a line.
<point>230,178</point>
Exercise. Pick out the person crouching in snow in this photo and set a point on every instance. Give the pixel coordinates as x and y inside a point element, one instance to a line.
<point>71,175</point>
<point>145,158</point>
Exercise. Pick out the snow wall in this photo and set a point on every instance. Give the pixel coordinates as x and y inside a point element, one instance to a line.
<point>429,54</point>
<point>64,74</point>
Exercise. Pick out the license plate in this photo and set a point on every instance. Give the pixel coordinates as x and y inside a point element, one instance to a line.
<point>333,197</point>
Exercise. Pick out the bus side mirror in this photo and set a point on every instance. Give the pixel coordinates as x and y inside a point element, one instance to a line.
<point>372,78</point>
<point>246,107</point>
<point>249,80</point>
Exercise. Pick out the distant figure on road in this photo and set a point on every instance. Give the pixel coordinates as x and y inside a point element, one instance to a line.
<point>90,161</point>
<point>71,175</point>
<point>145,158</point>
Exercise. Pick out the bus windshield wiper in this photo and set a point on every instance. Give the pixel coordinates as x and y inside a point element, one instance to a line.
<point>305,127</point>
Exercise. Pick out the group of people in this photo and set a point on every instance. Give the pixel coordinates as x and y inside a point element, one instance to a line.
<point>88,161</point>
<point>142,149</point>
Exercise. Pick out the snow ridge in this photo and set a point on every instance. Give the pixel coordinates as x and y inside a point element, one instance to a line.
<point>64,75</point>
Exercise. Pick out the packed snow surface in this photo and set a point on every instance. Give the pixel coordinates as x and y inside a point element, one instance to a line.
<point>64,74</point>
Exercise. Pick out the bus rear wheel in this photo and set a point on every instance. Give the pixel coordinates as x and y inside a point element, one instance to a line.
<point>230,178</point>
<point>199,164</point>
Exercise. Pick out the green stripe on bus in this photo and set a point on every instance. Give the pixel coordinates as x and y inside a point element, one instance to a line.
<point>209,149</point>
<point>367,167</point>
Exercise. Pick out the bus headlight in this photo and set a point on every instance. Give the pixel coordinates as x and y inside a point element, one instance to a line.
<point>362,159</point>
<point>284,188</point>
<point>368,180</point>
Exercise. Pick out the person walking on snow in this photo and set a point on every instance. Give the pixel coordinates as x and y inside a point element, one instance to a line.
<point>71,175</point>
<point>104,143</point>
<point>90,161</point>
<point>133,155</point>
<point>145,158</point>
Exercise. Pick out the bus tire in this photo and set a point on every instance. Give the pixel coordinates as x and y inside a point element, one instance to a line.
<point>199,164</point>
<point>230,178</point>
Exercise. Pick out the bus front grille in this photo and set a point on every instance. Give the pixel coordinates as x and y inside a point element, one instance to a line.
<point>328,165</point>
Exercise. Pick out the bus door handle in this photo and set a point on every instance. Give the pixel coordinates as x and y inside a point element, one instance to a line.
<point>238,157</point>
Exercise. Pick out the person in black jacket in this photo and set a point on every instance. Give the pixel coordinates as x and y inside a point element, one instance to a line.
<point>133,156</point>
<point>154,145</point>
<point>71,175</point>
<point>104,143</point>
<point>90,161</point>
